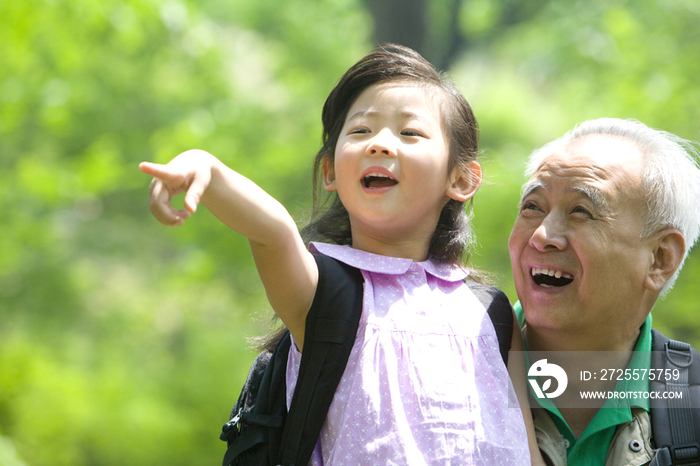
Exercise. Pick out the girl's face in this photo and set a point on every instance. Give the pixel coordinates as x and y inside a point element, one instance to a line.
<point>391,165</point>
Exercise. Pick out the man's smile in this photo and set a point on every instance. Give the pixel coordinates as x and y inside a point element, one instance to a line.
<point>550,277</point>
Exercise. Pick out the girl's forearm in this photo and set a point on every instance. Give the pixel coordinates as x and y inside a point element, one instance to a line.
<point>245,207</point>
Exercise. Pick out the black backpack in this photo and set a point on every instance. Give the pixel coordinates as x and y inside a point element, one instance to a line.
<point>675,422</point>
<point>260,431</point>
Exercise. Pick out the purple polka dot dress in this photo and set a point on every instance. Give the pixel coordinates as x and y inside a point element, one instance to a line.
<point>425,383</point>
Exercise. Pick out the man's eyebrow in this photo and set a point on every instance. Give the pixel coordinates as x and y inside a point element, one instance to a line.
<point>597,198</point>
<point>529,187</point>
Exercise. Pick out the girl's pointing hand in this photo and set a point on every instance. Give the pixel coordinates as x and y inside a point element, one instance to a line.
<point>190,173</point>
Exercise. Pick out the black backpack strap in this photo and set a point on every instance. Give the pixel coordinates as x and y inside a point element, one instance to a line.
<point>260,431</point>
<point>675,421</point>
<point>331,329</point>
<point>499,310</point>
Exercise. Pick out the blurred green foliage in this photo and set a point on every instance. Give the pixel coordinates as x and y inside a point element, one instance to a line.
<point>124,342</point>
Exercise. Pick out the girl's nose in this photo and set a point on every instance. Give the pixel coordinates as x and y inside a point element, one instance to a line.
<point>382,144</point>
<point>549,235</point>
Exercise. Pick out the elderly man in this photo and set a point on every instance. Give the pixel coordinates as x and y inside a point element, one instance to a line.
<point>606,220</point>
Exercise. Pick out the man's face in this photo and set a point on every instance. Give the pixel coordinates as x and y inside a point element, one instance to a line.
<point>579,262</point>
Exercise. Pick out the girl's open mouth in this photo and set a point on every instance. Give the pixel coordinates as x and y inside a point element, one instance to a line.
<point>378,177</point>
<point>378,180</point>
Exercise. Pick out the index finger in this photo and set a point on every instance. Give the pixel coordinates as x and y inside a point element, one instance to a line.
<point>156,170</point>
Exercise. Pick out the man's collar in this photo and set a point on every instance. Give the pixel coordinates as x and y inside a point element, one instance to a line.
<point>607,416</point>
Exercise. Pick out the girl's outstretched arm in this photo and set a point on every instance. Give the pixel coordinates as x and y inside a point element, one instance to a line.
<point>519,379</point>
<point>287,270</point>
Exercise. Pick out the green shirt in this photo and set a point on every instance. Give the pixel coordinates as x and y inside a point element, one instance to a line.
<point>591,448</point>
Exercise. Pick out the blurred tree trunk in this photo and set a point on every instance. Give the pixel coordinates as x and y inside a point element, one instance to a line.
<point>399,21</point>
<point>432,27</point>
<point>408,22</point>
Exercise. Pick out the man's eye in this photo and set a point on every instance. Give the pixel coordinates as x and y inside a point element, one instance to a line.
<point>581,210</point>
<point>529,206</point>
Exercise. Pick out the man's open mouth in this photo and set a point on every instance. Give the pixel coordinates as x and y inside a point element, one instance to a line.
<point>378,180</point>
<point>550,277</point>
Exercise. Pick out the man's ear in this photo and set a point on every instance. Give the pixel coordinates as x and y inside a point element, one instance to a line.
<point>668,255</point>
<point>328,172</point>
<point>464,182</point>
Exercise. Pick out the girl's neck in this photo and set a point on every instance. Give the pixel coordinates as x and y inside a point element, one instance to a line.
<point>414,249</point>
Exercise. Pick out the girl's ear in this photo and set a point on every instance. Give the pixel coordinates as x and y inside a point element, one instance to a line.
<point>464,182</point>
<point>328,172</point>
<point>668,255</point>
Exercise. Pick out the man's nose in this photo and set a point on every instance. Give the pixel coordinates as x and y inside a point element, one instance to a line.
<point>382,144</point>
<point>550,234</point>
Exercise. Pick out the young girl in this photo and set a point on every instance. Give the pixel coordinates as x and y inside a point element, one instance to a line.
<point>425,383</point>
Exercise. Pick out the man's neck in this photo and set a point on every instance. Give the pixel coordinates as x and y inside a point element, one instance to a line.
<point>547,340</point>
<point>605,354</point>
<point>578,419</point>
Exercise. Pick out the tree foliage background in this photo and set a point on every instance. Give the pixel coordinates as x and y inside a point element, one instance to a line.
<point>123,341</point>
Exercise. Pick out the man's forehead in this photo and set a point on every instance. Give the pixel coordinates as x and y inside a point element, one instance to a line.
<point>598,167</point>
<point>598,154</point>
<point>576,172</point>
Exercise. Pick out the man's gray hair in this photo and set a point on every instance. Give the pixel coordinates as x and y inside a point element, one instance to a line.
<point>671,175</point>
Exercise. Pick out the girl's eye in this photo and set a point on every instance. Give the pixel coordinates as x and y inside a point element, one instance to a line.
<point>359,131</point>
<point>411,133</point>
